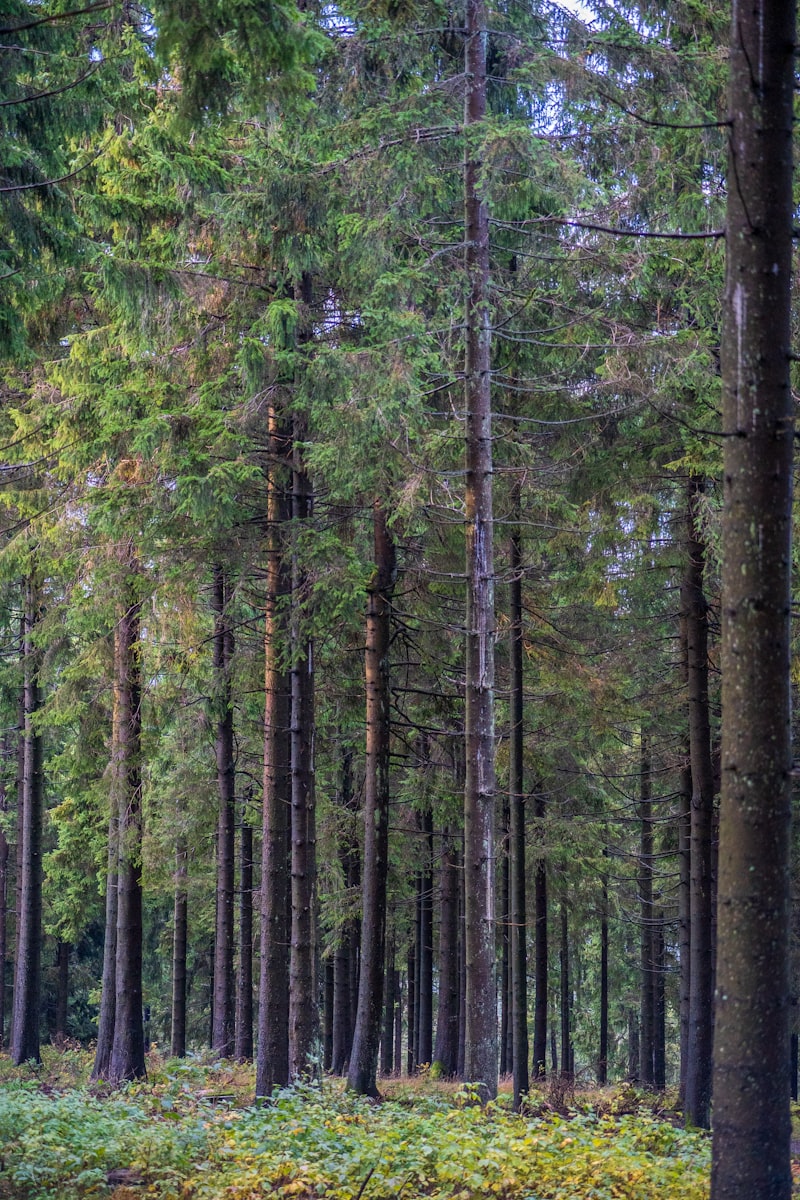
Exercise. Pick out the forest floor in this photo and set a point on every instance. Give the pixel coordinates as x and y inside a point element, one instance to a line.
<point>192,1132</point>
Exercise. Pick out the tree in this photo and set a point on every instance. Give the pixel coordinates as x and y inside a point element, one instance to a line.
<point>751,1086</point>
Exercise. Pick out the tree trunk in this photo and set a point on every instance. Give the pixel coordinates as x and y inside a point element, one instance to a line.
<point>751,1037</point>
<point>516,848</point>
<point>303,1008</point>
<point>366,1038</point>
<point>566,995</point>
<point>328,993</point>
<point>540,954</point>
<point>272,1064</point>
<point>4,859</point>
<point>504,931</point>
<point>684,927</point>
<point>602,1058</point>
<point>446,1051</point>
<point>222,1035</point>
<point>701,998</point>
<point>646,966</point>
<point>659,1005</point>
<point>480,1052</point>
<point>127,1050</point>
<point>180,931</point>
<point>243,1048</point>
<point>389,1004</point>
<point>28,965</point>
<point>108,992</point>
<point>62,991</point>
<point>411,976</point>
<point>425,958</point>
<point>398,1025</point>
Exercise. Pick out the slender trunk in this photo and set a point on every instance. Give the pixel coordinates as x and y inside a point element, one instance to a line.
<point>566,994</point>
<point>462,975</point>
<point>4,859</point>
<point>504,932</point>
<point>446,1052</point>
<point>646,965</point>
<point>516,850</point>
<point>272,1064</point>
<point>540,955</point>
<point>701,999</point>
<point>659,1005</point>
<point>243,1048</point>
<point>328,993</point>
<point>398,1025</point>
<point>633,1046</point>
<point>180,933</point>
<point>425,959</point>
<point>480,1052</point>
<point>366,1038</point>
<point>303,1014</point>
<point>602,1059</point>
<point>127,1050</point>
<point>108,992</point>
<point>28,966</point>
<point>411,975</point>
<point>684,922</point>
<point>752,1128</point>
<point>222,1033</point>
<point>389,1002</point>
<point>62,991</point>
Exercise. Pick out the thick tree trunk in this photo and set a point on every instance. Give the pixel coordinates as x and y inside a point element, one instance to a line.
<point>303,1007</point>
<point>272,1064</point>
<point>697,1105</point>
<point>751,1037</point>
<point>446,1051</point>
<point>222,1035</point>
<point>540,952</point>
<point>646,964</point>
<point>480,1053</point>
<point>243,1047</point>
<point>366,1038</point>
<point>516,848</point>
<point>127,1049</point>
<point>180,937</point>
<point>28,965</point>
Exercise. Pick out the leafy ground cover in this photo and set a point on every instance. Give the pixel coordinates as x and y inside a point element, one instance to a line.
<point>186,1134</point>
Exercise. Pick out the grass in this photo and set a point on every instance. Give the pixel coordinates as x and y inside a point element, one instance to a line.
<point>191,1132</point>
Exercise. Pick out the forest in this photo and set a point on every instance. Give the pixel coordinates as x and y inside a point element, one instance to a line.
<point>395,589</point>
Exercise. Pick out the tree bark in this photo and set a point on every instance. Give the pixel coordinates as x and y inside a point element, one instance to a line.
<point>272,1063</point>
<point>243,1047</point>
<point>28,965</point>
<point>361,1075</point>
<point>602,1058</point>
<point>4,860</point>
<point>646,964</point>
<point>684,926</point>
<point>222,1035</point>
<point>540,954</point>
<point>701,999</point>
<point>446,1050</point>
<point>480,1052</point>
<point>751,1048</point>
<point>566,996</point>
<point>516,848</point>
<point>180,931</point>
<point>425,944</point>
<point>127,1049</point>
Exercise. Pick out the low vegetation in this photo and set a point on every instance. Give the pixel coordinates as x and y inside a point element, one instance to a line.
<point>190,1133</point>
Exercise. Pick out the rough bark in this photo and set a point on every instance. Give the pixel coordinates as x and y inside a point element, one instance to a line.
<point>697,1103</point>
<point>28,965</point>
<point>751,1049</point>
<point>127,1049</point>
<point>222,1033</point>
<point>272,1063</point>
<point>480,1053</point>
<point>362,1071</point>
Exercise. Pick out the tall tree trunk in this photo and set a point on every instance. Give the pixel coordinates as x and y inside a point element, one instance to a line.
<point>366,1038</point>
<point>425,957</point>
<point>180,932</point>
<point>516,848</point>
<point>328,994</point>
<point>540,953</point>
<point>701,998</point>
<point>751,1037</point>
<point>222,1035</point>
<point>659,1004</point>
<point>303,1008</point>
<point>646,966</point>
<point>602,1058</point>
<point>411,976</point>
<point>504,932</point>
<point>244,981</point>
<point>108,992</point>
<point>566,995</point>
<point>446,1051</point>
<point>272,1064</point>
<point>398,1025</point>
<point>684,926</point>
<point>4,860</point>
<point>127,1050</point>
<point>389,1005</point>
<point>480,1053</point>
<point>28,966</point>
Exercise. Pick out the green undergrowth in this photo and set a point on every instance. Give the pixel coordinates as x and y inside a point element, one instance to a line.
<point>183,1136</point>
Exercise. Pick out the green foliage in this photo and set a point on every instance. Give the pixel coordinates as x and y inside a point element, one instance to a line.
<point>177,1136</point>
